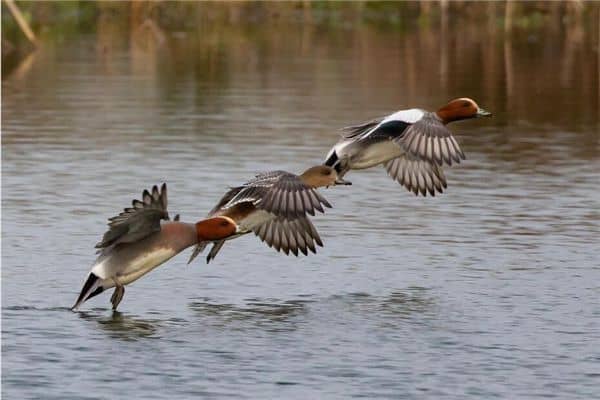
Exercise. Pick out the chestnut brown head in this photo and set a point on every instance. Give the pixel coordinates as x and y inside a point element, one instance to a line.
<point>463,108</point>
<point>216,228</point>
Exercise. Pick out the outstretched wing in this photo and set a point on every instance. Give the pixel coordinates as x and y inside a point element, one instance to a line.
<point>354,131</point>
<point>290,235</point>
<point>389,127</point>
<point>139,220</point>
<point>280,193</point>
<point>417,175</point>
<point>227,197</point>
<point>429,139</point>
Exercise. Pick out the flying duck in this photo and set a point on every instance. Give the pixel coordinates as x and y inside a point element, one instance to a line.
<point>412,144</point>
<point>275,206</point>
<point>141,238</point>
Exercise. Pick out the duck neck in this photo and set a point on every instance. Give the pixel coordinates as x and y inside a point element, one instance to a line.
<point>447,116</point>
<point>179,235</point>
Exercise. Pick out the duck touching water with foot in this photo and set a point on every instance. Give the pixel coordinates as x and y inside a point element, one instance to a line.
<point>274,205</point>
<point>142,238</point>
<point>413,145</point>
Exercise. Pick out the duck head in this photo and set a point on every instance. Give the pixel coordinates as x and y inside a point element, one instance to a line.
<point>322,175</point>
<point>216,228</point>
<point>463,108</point>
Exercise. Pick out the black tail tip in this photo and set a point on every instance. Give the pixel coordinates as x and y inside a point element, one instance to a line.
<point>86,291</point>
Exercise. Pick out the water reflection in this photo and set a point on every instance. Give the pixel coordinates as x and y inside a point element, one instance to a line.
<point>276,315</point>
<point>413,303</point>
<point>425,65</point>
<point>404,303</point>
<point>123,326</point>
<point>270,314</point>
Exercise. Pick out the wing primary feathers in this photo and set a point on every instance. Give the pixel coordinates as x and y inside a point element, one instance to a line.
<point>322,199</point>
<point>299,203</point>
<point>147,197</point>
<point>446,151</point>
<point>283,240</point>
<point>307,202</point>
<point>290,236</point>
<point>437,151</point>
<point>300,239</point>
<point>163,197</point>
<point>417,175</point>
<point>315,201</point>
<point>292,239</point>
<point>428,139</point>
<point>138,221</point>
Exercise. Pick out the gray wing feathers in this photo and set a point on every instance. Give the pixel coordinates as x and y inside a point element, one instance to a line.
<point>353,131</point>
<point>292,200</point>
<point>280,193</point>
<point>418,176</point>
<point>297,235</point>
<point>231,193</point>
<point>430,140</point>
<point>139,220</point>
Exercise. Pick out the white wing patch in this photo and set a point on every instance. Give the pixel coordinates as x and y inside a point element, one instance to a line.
<point>409,116</point>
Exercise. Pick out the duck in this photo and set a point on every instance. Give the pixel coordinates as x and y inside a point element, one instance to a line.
<point>140,239</point>
<point>412,144</point>
<point>275,206</point>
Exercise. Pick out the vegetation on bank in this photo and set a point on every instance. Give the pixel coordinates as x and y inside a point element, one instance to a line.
<point>62,19</point>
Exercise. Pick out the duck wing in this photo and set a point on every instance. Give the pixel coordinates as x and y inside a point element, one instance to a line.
<point>227,197</point>
<point>290,235</point>
<point>388,127</point>
<point>416,175</point>
<point>430,140</point>
<point>280,193</point>
<point>353,131</point>
<point>138,221</point>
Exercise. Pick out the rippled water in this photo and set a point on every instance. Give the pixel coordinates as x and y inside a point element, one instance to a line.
<point>489,290</point>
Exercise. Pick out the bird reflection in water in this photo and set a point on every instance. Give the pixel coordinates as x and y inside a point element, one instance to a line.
<point>412,303</point>
<point>123,326</point>
<point>274,315</point>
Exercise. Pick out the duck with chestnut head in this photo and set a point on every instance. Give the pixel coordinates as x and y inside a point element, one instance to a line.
<point>141,238</point>
<point>275,206</point>
<point>412,144</point>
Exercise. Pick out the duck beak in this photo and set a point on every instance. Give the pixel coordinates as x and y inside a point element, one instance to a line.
<point>340,181</point>
<point>483,113</point>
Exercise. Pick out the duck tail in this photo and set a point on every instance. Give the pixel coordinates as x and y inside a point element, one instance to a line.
<point>91,288</point>
<point>339,164</point>
<point>332,159</point>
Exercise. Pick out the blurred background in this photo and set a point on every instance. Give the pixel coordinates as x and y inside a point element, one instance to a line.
<point>406,52</point>
<point>489,290</point>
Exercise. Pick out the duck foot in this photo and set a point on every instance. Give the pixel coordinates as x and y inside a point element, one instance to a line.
<point>117,295</point>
